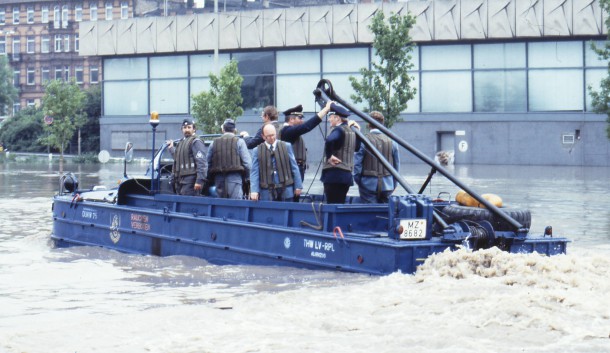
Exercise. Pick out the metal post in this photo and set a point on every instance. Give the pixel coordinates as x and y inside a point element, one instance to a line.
<point>216,37</point>
<point>79,141</point>
<point>154,122</point>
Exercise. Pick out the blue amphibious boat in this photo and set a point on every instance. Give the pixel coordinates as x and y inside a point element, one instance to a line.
<point>144,216</point>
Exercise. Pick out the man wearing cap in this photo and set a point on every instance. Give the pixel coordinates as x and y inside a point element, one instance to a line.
<point>275,174</point>
<point>375,183</point>
<point>190,166</point>
<point>229,162</point>
<point>269,116</point>
<point>294,129</point>
<point>339,150</point>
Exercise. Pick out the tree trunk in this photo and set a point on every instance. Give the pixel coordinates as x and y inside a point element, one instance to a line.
<point>61,158</point>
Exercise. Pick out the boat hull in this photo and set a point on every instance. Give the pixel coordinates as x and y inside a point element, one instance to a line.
<point>245,232</point>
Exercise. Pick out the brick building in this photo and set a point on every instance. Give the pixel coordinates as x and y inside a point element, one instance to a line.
<point>41,41</point>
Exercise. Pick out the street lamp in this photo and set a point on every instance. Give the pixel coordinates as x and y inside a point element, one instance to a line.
<point>154,122</point>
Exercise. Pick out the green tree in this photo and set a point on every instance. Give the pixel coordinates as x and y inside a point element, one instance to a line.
<point>386,86</point>
<point>600,100</point>
<point>64,101</point>
<point>91,129</point>
<point>8,92</point>
<point>23,131</point>
<point>221,102</point>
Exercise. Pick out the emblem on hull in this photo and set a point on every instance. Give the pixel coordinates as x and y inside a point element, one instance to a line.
<point>115,235</point>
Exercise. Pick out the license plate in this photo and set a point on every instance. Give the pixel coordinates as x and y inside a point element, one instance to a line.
<point>413,229</point>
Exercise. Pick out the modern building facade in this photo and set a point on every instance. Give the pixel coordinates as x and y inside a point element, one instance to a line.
<point>42,42</point>
<point>498,81</point>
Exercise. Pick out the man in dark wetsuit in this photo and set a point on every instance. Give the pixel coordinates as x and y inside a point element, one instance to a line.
<point>190,165</point>
<point>294,129</point>
<point>269,116</point>
<point>375,183</point>
<point>229,162</point>
<point>339,150</point>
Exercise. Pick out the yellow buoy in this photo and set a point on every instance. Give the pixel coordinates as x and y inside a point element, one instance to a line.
<point>465,199</point>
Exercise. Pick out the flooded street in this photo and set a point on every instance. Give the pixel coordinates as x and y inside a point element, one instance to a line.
<point>87,299</point>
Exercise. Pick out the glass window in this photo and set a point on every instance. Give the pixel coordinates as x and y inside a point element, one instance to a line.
<point>413,104</point>
<point>257,92</point>
<point>44,14</point>
<point>168,66</point>
<point>124,10</point>
<point>30,44</point>
<point>203,65</point>
<point>45,43</point>
<point>445,57</point>
<point>257,69</point>
<point>555,54</point>
<point>591,57</point>
<point>66,42</point>
<point>16,77</point>
<point>593,78</point>
<point>499,56</point>
<point>16,46</point>
<point>65,16</point>
<point>44,74</point>
<point>298,62</point>
<point>56,16</point>
<point>78,73</point>
<point>78,12</point>
<point>57,43</point>
<point>126,98</point>
<point>169,96</point>
<point>16,107</point>
<point>30,14</point>
<point>500,91</point>
<point>125,69</point>
<point>296,89</point>
<point>2,44</point>
<point>2,16</point>
<point>58,73</point>
<point>446,91</point>
<point>30,103</point>
<point>199,85</point>
<point>16,15</point>
<point>108,11</point>
<point>66,73</point>
<point>30,76</point>
<point>345,60</point>
<point>255,63</point>
<point>548,90</point>
<point>76,42</point>
<point>93,11</point>
<point>94,74</point>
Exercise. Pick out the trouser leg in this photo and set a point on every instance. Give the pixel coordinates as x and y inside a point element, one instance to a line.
<point>335,193</point>
<point>367,196</point>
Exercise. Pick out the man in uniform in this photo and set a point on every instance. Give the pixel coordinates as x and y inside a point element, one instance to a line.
<point>375,183</point>
<point>339,150</point>
<point>190,166</point>
<point>269,116</point>
<point>229,162</point>
<point>294,129</point>
<point>275,175</point>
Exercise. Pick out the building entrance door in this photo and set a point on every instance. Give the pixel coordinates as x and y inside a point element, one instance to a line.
<point>445,147</point>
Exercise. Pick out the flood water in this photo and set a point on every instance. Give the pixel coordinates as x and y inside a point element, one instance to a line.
<point>87,299</point>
